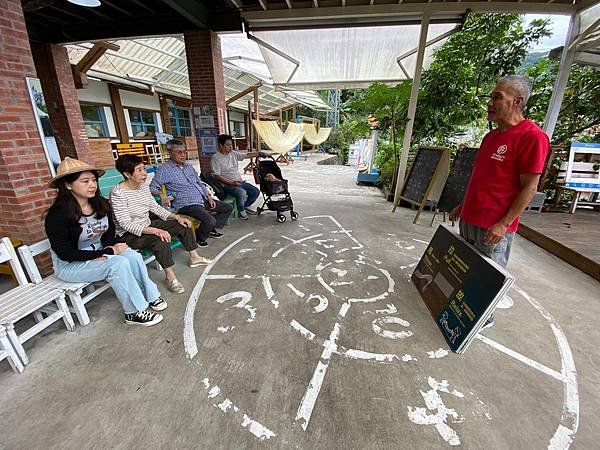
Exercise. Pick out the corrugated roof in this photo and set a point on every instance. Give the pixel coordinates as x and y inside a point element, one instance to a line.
<point>161,63</point>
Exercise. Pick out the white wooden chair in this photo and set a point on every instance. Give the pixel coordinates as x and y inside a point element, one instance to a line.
<point>25,299</point>
<point>78,293</point>
<point>7,351</point>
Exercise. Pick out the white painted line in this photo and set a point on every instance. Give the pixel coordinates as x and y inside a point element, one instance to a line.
<point>522,358</point>
<point>439,353</point>
<point>294,242</point>
<point>342,229</point>
<point>569,421</point>
<point>266,282</point>
<point>419,240</point>
<point>314,387</point>
<point>325,285</point>
<point>323,302</point>
<point>295,291</point>
<point>380,357</point>
<point>258,430</point>
<point>302,330</point>
<point>189,337</point>
<point>344,309</point>
<point>391,334</point>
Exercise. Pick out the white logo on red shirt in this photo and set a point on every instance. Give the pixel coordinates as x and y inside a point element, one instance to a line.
<point>500,151</point>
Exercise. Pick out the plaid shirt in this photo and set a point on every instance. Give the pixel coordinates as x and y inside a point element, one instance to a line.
<point>182,183</point>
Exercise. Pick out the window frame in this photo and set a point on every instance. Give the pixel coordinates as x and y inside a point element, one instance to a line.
<point>103,122</point>
<point>177,127</point>
<point>143,124</point>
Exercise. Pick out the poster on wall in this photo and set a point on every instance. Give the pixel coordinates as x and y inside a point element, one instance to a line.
<point>208,142</point>
<point>459,286</point>
<point>40,113</point>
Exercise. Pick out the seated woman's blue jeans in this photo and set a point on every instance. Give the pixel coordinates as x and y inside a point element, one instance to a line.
<point>126,273</point>
<point>245,194</point>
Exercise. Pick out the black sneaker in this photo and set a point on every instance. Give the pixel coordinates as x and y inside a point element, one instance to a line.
<point>158,305</point>
<point>202,243</point>
<point>145,318</point>
<point>215,234</point>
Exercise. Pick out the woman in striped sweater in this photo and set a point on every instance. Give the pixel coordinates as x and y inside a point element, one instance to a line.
<point>132,204</point>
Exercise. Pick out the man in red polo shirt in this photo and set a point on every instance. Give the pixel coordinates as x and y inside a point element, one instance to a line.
<point>505,174</point>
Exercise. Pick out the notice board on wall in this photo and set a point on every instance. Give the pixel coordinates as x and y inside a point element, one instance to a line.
<point>426,177</point>
<point>456,184</point>
<point>459,286</point>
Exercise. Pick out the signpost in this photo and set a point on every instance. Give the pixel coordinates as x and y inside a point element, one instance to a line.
<point>459,286</point>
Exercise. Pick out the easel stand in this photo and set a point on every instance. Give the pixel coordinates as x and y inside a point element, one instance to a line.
<point>421,184</point>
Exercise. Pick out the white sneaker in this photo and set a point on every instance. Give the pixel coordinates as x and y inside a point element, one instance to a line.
<point>251,211</point>
<point>243,215</point>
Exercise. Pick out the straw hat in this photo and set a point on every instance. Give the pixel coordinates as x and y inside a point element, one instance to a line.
<point>69,166</point>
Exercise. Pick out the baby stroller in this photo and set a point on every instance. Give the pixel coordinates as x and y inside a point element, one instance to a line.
<point>276,195</point>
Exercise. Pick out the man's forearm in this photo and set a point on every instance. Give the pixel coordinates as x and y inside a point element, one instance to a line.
<point>225,180</point>
<point>528,189</point>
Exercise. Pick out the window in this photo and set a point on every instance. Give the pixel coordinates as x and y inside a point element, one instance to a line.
<point>143,124</point>
<point>237,129</point>
<point>94,120</point>
<point>180,121</point>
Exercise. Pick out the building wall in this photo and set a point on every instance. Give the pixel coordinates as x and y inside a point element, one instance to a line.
<point>24,170</point>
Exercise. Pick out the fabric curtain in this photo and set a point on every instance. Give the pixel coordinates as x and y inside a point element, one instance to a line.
<point>276,140</point>
<point>311,135</point>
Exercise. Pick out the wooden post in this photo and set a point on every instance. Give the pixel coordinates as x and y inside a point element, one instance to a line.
<point>257,116</point>
<point>164,112</point>
<point>250,131</point>
<point>115,99</point>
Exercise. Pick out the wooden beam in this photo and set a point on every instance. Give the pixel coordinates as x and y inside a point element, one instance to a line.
<point>243,93</point>
<point>115,99</point>
<point>93,55</point>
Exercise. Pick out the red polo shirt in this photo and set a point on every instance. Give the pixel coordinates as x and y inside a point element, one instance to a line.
<point>502,157</point>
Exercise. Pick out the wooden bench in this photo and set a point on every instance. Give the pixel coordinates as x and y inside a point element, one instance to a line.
<point>136,149</point>
<point>78,293</point>
<point>20,302</point>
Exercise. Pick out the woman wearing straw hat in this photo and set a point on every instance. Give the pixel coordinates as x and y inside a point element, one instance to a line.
<point>132,204</point>
<point>81,230</point>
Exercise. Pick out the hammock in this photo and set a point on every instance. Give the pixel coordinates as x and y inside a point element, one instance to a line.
<point>311,135</point>
<point>276,140</point>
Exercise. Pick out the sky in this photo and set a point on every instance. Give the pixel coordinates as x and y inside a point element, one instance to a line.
<point>559,27</point>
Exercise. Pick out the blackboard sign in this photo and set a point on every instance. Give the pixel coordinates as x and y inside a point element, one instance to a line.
<point>421,174</point>
<point>459,286</point>
<point>426,177</point>
<point>456,185</point>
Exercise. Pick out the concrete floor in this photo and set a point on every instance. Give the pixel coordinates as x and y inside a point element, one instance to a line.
<point>260,353</point>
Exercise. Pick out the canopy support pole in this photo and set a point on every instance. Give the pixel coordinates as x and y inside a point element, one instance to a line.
<point>412,108</point>
<point>560,84</point>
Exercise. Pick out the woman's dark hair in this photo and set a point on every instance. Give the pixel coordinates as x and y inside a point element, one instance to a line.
<point>127,164</point>
<point>223,138</point>
<point>65,200</point>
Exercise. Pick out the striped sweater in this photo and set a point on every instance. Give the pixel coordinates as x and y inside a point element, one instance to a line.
<point>132,207</point>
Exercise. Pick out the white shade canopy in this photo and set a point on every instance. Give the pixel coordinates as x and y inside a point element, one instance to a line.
<point>345,58</point>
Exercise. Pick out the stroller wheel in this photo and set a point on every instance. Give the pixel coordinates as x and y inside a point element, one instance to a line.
<point>258,211</point>
<point>280,218</point>
<point>294,215</point>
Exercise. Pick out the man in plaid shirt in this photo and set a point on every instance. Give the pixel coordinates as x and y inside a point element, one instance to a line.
<point>190,196</point>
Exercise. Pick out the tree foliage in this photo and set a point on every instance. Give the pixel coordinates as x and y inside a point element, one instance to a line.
<point>579,117</point>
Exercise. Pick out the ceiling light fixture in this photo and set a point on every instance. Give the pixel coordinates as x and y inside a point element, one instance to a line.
<point>88,3</point>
